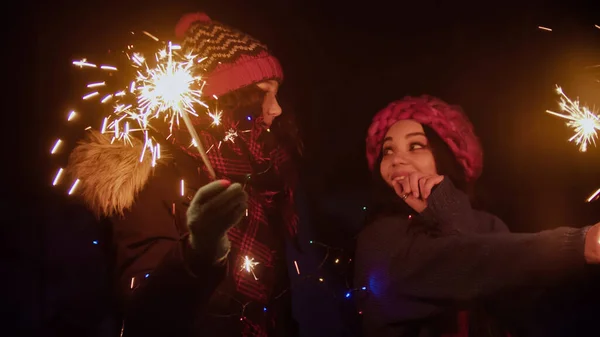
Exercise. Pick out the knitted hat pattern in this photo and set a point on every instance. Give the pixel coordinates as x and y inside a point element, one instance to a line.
<point>448,121</point>
<point>231,59</point>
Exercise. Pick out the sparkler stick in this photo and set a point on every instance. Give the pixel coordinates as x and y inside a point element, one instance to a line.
<point>198,144</point>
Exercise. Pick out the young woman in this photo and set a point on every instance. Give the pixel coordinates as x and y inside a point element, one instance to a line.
<point>432,265</point>
<point>195,257</point>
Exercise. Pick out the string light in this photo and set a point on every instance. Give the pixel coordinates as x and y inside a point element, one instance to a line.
<point>249,265</point>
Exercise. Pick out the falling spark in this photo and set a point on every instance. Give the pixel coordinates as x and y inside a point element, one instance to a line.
<point>97,84</point>
<point>297,269</point>
<point>83,63</point>
<point>216,117</point>
<point>230,136</point>
<point>580,118</point>
<point>594,196</point>
<point>72,115</point>
<point>108,68</point>
<point>90,95</point>
<point>106,99</point>
<point>150,36</point>
<point>249,265</point>
<point>597,26</point>
<point>182,188</point>
<point>74,187</point>
<point>545,28</point>
<point>55,147</point>
<point>57,177</point>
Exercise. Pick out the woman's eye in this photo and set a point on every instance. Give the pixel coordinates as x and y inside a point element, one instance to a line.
<point>417,146</point>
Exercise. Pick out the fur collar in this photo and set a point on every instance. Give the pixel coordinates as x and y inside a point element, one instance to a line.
<point>111,174</point>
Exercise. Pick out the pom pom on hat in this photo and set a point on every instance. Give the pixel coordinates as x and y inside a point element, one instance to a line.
<point>186,21</point>
<point>448,121</point>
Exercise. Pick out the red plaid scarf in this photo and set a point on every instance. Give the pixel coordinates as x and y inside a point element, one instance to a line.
<point>248,159</point>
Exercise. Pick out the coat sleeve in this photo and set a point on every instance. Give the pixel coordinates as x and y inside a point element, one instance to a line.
<point>412,275</point>
<point>450,210</point>
<point>164,282</point>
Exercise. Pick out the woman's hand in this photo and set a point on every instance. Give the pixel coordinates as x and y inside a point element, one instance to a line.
<point>216,207</point>
<point>416,188</point>
<point>592,245</point>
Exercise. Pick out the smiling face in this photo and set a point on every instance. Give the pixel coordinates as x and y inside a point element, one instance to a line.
<point>270,105</point>
<point>405,150</point>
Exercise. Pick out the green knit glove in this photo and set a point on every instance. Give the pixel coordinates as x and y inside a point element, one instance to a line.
<point>216,208</point>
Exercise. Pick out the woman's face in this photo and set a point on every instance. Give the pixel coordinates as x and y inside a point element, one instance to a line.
<point>405,150</point>
<point>270,106</point>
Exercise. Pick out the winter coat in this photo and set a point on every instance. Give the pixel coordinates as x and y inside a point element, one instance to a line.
<point>168,290</point>
<point>420,272</point>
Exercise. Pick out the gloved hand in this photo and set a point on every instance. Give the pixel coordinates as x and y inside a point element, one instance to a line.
<point>216,208</point>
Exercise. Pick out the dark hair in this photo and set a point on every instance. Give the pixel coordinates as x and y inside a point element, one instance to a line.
<point>384,200</point>
<point>247,101</point>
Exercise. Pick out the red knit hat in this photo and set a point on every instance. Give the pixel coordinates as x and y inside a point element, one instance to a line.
<point>233,59</point>
<point>448,121</point>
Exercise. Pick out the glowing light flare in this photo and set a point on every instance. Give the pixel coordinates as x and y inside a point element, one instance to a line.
<point>56,146</point>
<point>216,117</point>
<point>581,119</point>
<point>170,87</point>
<point>249,265</point>
<point>545,28</point>
<point>182,187</point>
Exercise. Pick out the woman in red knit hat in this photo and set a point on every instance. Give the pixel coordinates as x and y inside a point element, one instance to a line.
<point>429,261</point>
<point>194,257</point>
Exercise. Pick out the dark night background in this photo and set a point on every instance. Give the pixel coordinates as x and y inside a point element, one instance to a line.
<point>342,63</point>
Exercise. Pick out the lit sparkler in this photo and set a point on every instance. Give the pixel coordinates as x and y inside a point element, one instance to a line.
<point>165,87</point>
<point>585,123</point>
<point>249,265</point>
